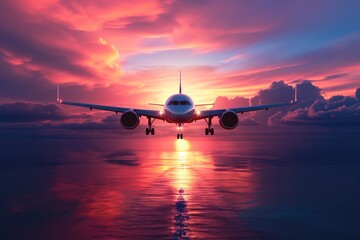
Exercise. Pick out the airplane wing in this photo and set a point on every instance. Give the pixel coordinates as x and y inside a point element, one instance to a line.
<point>141,112</point>
<point>219,112</point>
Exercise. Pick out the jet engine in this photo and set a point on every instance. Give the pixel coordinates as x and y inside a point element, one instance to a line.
<point>129,120</point>
<point>229,120</point>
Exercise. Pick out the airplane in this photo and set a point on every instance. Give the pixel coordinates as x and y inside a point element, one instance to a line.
<point>179,109</point>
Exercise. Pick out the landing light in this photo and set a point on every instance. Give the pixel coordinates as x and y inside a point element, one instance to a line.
<point>161,112</point>
<point>198,112</point>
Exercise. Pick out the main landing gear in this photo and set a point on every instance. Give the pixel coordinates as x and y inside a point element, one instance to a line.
<point>209,129</point>
<point>179,135</point>
<point>150,129</point>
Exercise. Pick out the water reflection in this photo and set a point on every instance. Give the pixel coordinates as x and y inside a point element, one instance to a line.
<point>181,216</point>
<point>161,190</point>
<point>166,189</point>
<point>181,181</point>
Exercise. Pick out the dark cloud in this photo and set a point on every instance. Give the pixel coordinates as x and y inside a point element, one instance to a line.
<point>111,118</point>
<point>27,45</point>
<point>357,94</point>
<point>277,92</point>
<point>334,76</point>
<point>163,23</point>
<point>248,122</point>
<point>311,109</point>
<point>19,83</point>
<point>336,111</point>
<point>307,93</point>
<point>31,112</point>
<point>26,116</point>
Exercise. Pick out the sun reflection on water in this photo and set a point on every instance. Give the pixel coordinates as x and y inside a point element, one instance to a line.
<point>182,175</point>
<point>189,177</point>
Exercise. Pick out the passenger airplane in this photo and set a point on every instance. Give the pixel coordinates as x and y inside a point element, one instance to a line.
<point>179,109</point>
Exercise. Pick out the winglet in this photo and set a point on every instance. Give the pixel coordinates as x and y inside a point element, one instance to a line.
<point>180,83</point>
<point>296,94</point>
<point>58,94</point>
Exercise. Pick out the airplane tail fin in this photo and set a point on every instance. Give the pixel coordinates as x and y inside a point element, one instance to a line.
<point>180,83</point>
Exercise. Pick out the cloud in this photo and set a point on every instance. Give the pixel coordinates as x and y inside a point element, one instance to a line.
<point>334,76</point>
<point>307,93</point>
<point>59,52</point>
<point>31,112</point>
<point>278,92</point>
<point>111,119</point>
<point>26,112</point>
<point>248,122</point>
<point>311,109</point>
<point>337,111</point>
<point>18,83</point>
<point>225,102</point>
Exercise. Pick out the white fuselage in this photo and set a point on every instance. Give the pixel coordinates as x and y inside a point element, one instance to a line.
<point>179,108</point>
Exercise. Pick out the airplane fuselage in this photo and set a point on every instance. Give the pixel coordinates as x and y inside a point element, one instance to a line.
<point>179,108</point>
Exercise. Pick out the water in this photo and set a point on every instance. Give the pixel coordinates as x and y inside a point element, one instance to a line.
<point>162,188</point>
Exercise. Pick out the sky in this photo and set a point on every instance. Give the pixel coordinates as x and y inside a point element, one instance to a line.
<point>129,53</point>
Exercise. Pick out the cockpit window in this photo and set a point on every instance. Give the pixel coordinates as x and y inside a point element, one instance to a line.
<point>179,102</point>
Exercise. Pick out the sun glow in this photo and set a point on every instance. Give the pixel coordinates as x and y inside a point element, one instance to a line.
<point>182,145</point>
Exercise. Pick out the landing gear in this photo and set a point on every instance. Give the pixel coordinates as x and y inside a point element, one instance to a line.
<point>209,129</point>
<point>179,135</point>
<point>150,129</point>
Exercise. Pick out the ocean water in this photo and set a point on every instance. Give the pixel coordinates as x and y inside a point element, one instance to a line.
<point>163,188</point>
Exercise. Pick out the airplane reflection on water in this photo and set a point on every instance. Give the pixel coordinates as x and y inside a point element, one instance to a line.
<point>181,216</point>
<point>173,185</point>
<point>195,182</point>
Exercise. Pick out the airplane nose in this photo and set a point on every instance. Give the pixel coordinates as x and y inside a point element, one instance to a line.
<point>177,115</point>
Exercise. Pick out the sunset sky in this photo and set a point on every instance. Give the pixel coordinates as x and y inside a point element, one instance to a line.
<point>129,53</point>
<point>290,172</point>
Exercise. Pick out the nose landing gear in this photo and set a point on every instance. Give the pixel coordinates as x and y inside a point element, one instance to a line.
<point>179,135</point>
<point>209,129</point>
